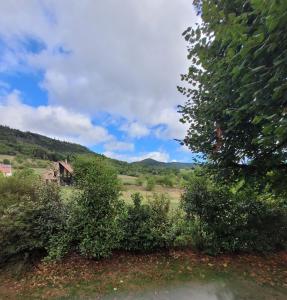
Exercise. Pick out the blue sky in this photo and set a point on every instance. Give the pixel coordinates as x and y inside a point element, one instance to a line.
<point>99,73</point>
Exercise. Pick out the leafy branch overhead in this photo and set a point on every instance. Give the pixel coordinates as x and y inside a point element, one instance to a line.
<point>237,82</point>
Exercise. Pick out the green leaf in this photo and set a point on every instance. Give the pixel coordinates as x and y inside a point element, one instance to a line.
<point>257,119</point>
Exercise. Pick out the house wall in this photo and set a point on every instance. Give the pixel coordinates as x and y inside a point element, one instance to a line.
<point>6,170</point>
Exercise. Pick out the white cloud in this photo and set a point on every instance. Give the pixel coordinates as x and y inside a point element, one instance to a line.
<point>172,128</point>
<point>119,146</point>
<point>184,148</point>
<point>157,155</point>
<point>123,59</point>
<point>135,129</point>
<point>53,121</point>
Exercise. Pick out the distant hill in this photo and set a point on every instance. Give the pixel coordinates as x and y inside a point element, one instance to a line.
<point>13,142</point>
<point>152,163</point>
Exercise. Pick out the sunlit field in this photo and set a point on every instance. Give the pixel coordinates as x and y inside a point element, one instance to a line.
<point>130,187</point>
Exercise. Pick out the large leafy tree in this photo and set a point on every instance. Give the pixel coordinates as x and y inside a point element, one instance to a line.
<point>237,84</point>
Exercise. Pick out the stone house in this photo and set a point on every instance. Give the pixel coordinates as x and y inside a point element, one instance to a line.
<point>61,173</point>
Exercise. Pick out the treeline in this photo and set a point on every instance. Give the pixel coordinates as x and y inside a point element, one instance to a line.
<point>138,168</point>
<point>167,179</point>
<point>213,216</point>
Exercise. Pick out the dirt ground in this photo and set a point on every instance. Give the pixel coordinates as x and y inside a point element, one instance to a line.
<point>79,278</point>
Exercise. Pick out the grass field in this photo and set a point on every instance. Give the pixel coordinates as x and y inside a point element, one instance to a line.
<point>21,162</point>
<point>130,187</point>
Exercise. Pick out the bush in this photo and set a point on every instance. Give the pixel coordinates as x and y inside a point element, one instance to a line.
<point>231,219</point>
<point>6,161</point>
<point>145,226</point>
<point>96,230</point>
<point>167,180</point>
<point>150,183</point>
<point>183,232</point>
<point>19,159</point>
<point>139,181</point>
<point>30,214</point>
<point>159,220</point>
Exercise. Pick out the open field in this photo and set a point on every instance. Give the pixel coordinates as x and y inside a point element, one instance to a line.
<point>21,162</point>
<point>130,187</point>
<point>172,193</point>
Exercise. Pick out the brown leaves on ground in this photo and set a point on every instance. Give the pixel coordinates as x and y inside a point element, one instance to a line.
<point>124,269</point>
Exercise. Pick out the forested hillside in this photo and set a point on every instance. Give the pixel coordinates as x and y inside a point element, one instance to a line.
<point>13,142</point>
<point>33,145</point>
<point>152,163</point>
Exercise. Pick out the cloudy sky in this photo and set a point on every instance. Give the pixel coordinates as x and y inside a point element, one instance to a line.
<point>102,73</point>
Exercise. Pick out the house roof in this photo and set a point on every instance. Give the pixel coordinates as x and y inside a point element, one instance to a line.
<point>5,168</point>
<point>67,166</point>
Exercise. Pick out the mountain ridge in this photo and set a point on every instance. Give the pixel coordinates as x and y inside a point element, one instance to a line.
<point>150,162</point>
<point>15,142</point>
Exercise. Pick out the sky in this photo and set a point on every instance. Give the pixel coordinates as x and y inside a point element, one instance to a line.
<point>102,73</point>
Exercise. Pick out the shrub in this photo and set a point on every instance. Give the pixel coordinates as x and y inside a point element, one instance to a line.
<point>150,183</point>
<point>264,217</point>
<point>234,220</point>
<point>30,214</point>
<point>139,181</point>
<point>183,232</point>
<point>19,159</point>
<point>65,240</point>
<point>96,231</point>
<point>145,226</point>
<point>41,163</point>
<point>167,180</point>
<point>159,220</point>
<point>6,161</point>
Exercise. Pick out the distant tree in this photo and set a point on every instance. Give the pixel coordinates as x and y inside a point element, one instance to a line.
<point>237,93</point>
<point>150,183</point>
<point>6,161</point>
<point>139,181</point>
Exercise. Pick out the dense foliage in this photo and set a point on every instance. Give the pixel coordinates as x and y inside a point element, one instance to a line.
<point>235,218</point>
<point>145,226</point>
<point>98,205</point>
<point>93,221</point>
<point>237,84</point>
<point>31,213</point>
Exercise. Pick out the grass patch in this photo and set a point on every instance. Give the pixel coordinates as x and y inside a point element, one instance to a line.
<point>173,193</point>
